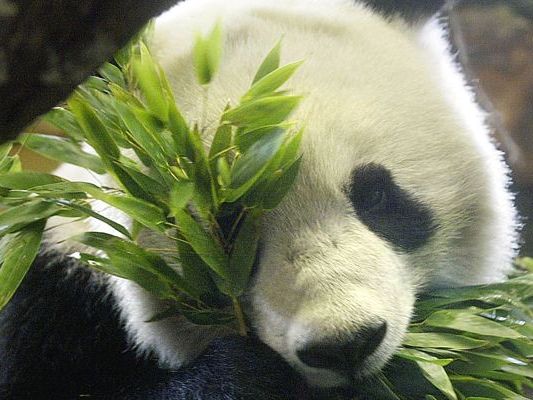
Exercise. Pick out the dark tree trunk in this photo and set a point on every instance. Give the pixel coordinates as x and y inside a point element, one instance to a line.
<point>48,47</point>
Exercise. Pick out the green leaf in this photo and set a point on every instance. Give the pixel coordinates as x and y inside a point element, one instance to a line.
<point>207,54</point>
<point>196,271</point>
<point>279,188</point>
<point>143,137</point>
<point>61,149</point>
<point>91,213</point>
<point>272,81</point>
<point>180,195</point>
<point>224,172</point>
<point>207,317</point>
<point>263,111</point>
<point>205,193</point>
<point>18,216</point>
<point>221,142</point>
<point>94,129</point>
<point>17,254</point>
<point>27,180</point>
<point>147,75</point>
<point>242,256</point>
<point>64,120</point>
<point>269,64</point>
<point>203,243</point>
<point>467,322</point>
<point>438,377</point>
<point>471,386</point>
<point>16,164</point>
<point>147,214</point>
<point>5,150</point>
<point>155,191</point>
<point>442,340</point>
<point>95,83</point>
<point>131,258</point>
<point>112,74</point>
<point>127,269</point>
<point>417,355</point>
<point>248,168</point>
<point>246,139</point>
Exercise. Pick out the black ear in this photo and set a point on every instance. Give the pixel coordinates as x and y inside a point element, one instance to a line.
<point>411,10</point>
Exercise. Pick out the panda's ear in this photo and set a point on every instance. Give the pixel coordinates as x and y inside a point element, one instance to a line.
<point>411,10</point>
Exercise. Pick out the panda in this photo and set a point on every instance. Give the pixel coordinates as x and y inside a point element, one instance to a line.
<point>400,190</point>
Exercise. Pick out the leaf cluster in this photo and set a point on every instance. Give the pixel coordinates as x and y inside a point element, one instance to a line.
<point>471,343</point>
<point>207,198</point>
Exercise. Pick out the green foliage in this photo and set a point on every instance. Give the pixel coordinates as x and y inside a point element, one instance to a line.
<point>466,343</point>
<point>168,182</point>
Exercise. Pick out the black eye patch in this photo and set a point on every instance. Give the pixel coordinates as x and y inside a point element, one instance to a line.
<point>387,209</point>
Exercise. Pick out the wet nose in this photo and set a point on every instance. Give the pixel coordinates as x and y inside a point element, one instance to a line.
<point>344,355</point>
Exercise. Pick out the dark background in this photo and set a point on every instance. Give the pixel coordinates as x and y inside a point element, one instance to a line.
<point>495,42</point>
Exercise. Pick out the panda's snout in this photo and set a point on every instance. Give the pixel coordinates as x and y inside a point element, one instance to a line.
<point>344,356</point>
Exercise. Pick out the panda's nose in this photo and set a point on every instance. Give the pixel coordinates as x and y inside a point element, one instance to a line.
<point>346,355</point>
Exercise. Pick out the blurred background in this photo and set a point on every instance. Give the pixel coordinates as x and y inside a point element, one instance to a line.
<point>494,41</point>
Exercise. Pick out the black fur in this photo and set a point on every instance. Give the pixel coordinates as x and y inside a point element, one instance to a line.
<point>409,9</point>
<point>60,338</point>
<point>388,210</point>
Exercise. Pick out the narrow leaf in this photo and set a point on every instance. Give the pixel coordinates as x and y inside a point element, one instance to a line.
<point>465,321</point>
<point>207,248</point>
<point>17,253</point>
<point>61,149</point>
<point>272,81</point>
<point>270,63</point>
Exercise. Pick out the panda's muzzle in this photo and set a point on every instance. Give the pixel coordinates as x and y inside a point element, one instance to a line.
<point>344,356</point>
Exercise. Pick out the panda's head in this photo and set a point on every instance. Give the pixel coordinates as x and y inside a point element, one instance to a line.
<point>399,189</point>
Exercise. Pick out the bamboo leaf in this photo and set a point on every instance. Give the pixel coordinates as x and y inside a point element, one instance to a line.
<point>61,149</point>
<point>207,248</point>
<point>27,180</point>
<point>94,129</point>
<point>272,81</point>
<point>149,81</point>
<point>112,74</point>
<point>207,53</point>
<point>242,256</point>
<point>5,150</point>
<point>464,321</point>
<point>437,376</point>
<point>64,120</point>
<point>180,195</point>
<point>442,340</point>
<point>17,254</point>
<point>269,64</point>
<point>263,111</point>
<point>416,355</point>
<point>22,215</point>
<point>133,258</point>
<point>91,213</point>
<point>279,188</point>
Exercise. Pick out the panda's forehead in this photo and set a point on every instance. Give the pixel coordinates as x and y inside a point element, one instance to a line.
<point>370,96</point>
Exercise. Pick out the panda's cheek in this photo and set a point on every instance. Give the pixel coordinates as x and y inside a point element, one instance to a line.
<point>330,295</point>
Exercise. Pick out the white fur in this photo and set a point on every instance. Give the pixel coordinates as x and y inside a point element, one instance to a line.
<point>375,91</point>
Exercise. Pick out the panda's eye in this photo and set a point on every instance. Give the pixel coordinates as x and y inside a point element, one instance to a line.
<point>369,189</point>
<point>374,199</point>
<point>387,209</point>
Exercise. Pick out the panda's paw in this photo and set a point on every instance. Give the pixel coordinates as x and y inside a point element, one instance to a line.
<point>242,368</point>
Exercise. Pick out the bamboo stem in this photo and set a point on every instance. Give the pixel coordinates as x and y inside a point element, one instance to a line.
<point>240,317</point>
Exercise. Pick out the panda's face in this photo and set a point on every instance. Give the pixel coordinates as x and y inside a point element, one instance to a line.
<point>335,286</point>
<point>399,185</point>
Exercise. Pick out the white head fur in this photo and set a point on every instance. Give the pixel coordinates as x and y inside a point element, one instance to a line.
<point>376,92</point>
